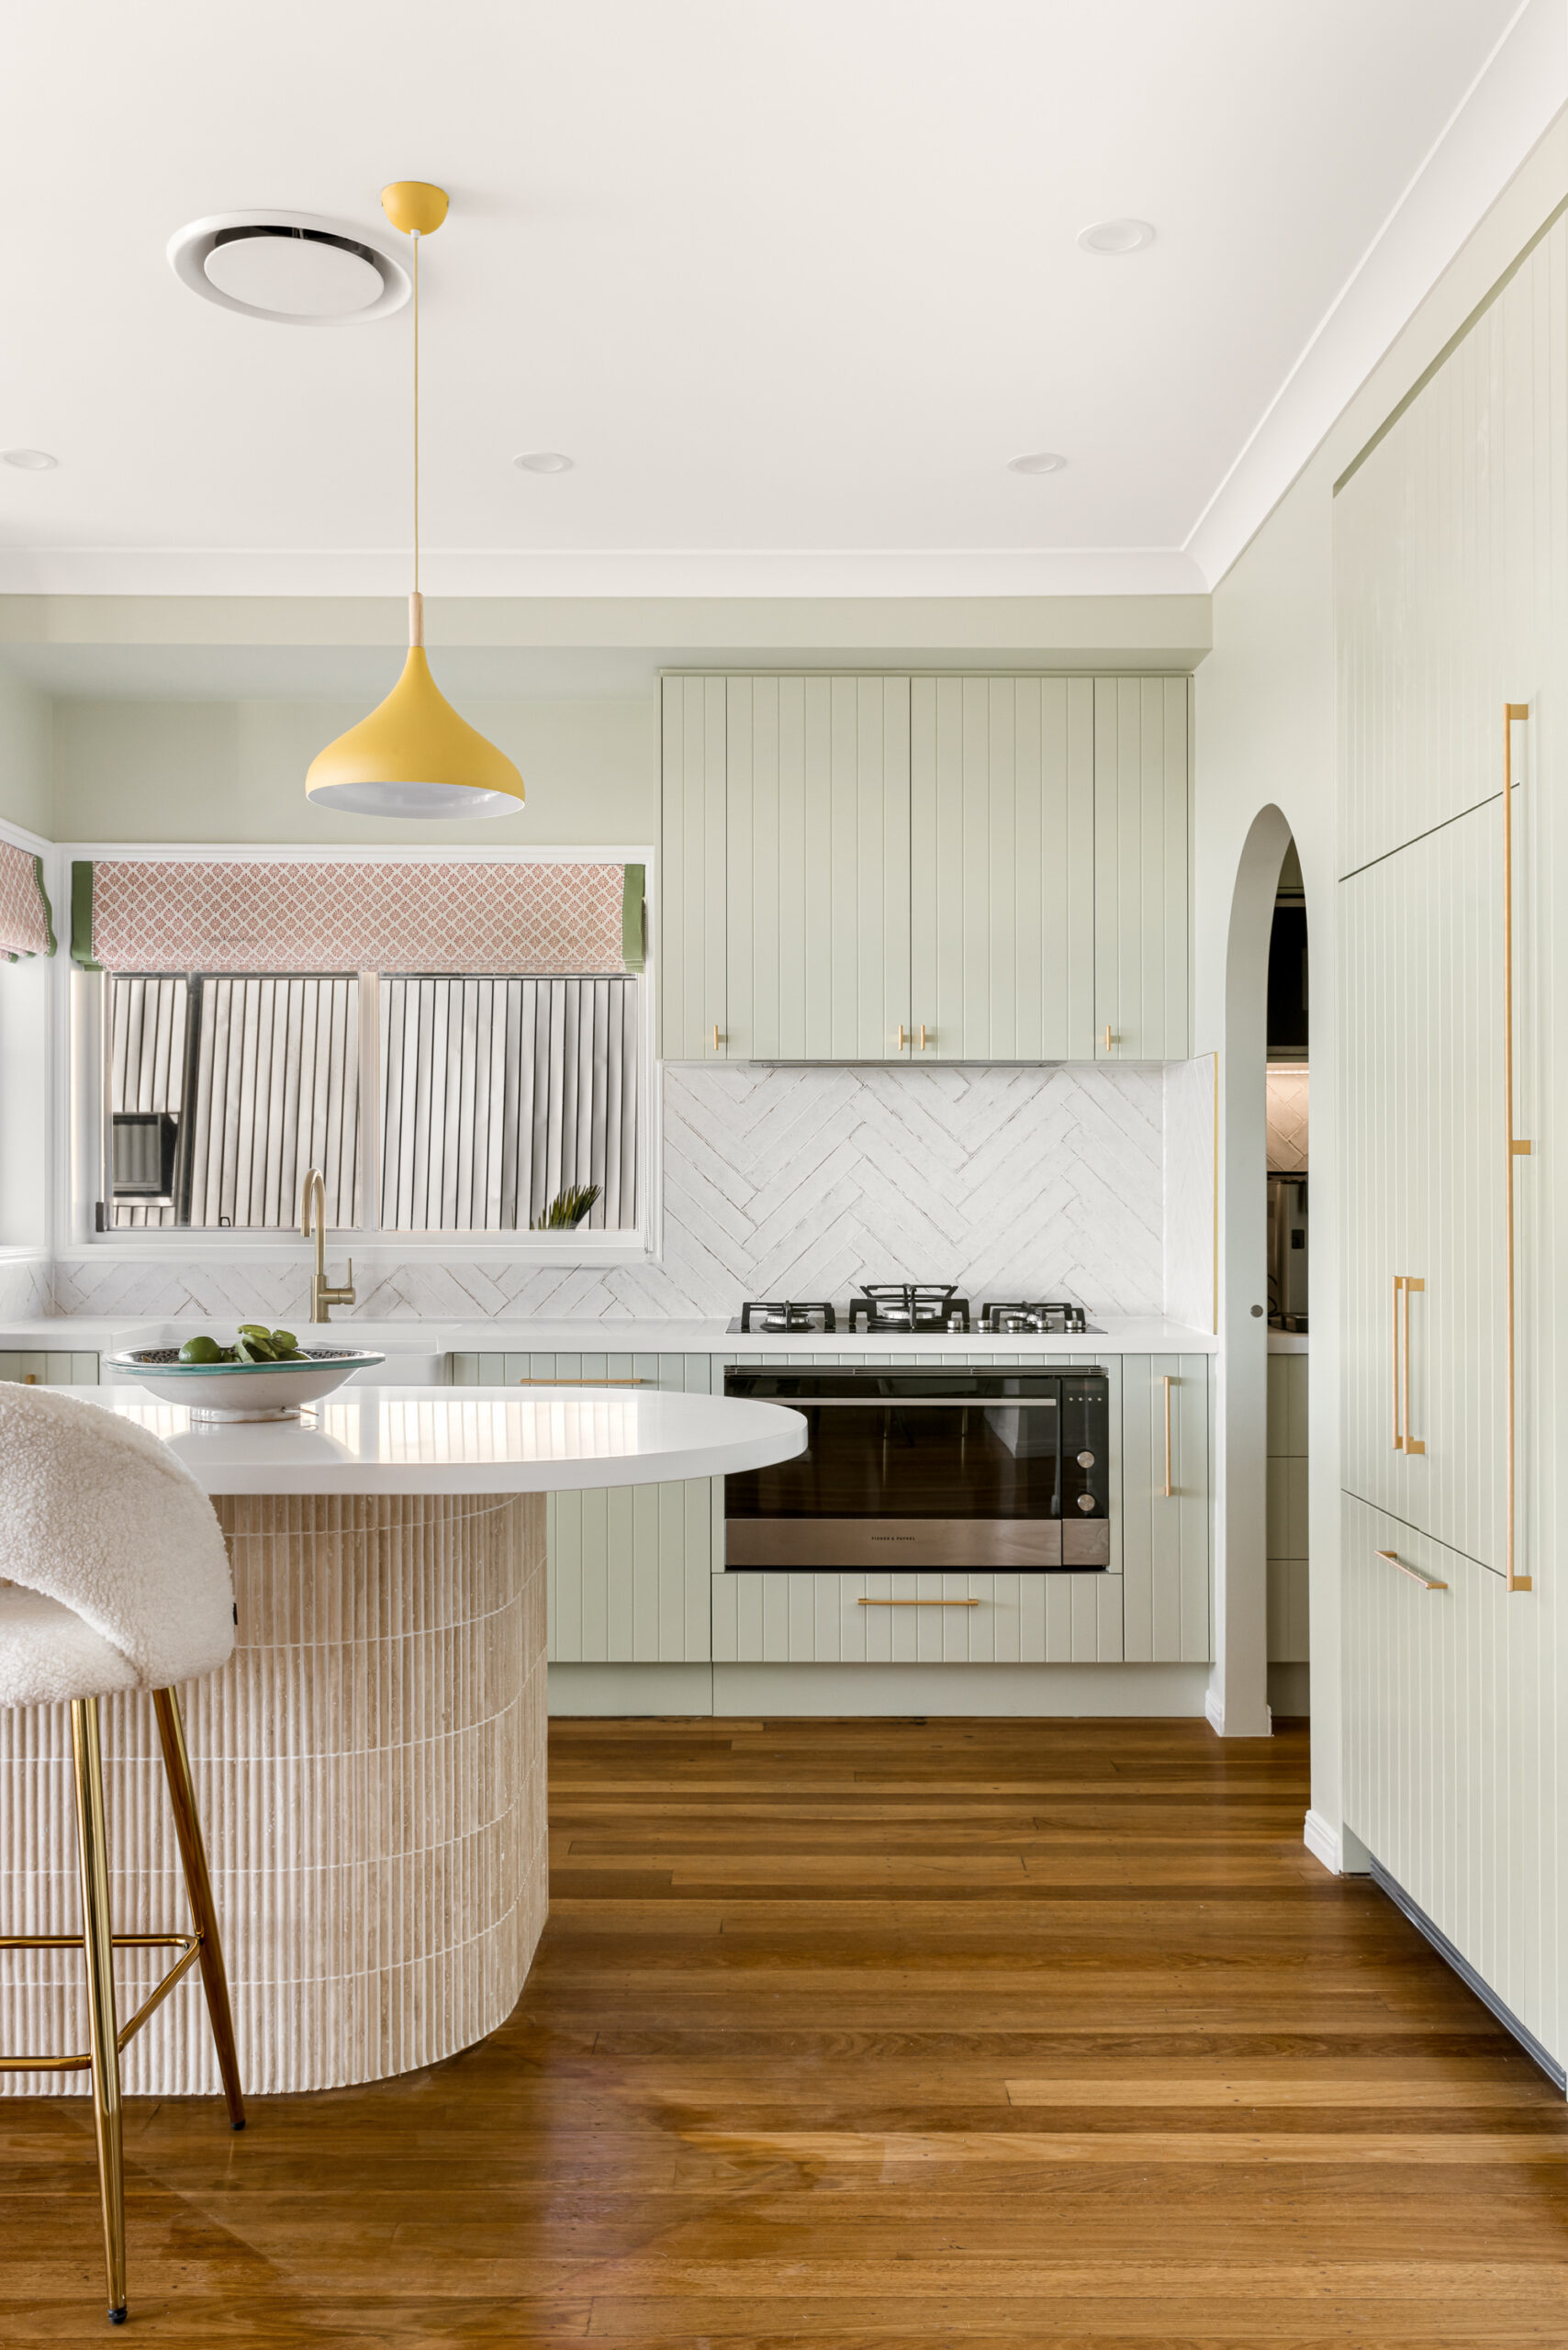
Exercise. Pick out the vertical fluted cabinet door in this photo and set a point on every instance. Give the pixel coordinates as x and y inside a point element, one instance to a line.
<point>629,1564</point>
<point>817,863</point>
<point>1001,867</point>
<point>1142,868</point>
<point>689,913</point>
<point>1165,1534</point>
<point>1422,969</point>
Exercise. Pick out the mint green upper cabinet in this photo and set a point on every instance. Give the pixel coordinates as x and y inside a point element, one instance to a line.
<point>689,913</point>
<point>926,870</point>
<point>1003,867</point>
<point>817,869</point>
<point>1142,869</point>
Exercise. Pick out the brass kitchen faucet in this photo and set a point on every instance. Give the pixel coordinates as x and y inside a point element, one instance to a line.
<point>323,1296</point>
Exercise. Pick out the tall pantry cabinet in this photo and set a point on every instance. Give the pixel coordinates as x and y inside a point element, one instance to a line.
<point>1450,534</point>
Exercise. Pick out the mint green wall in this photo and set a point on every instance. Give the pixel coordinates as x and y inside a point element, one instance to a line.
<point>235,771</point>
<point>25,733</point>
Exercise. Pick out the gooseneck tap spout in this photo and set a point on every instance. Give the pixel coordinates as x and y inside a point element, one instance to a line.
<point>313,1224</point>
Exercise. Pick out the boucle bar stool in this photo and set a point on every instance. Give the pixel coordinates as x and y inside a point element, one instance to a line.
<point>112,1576</point>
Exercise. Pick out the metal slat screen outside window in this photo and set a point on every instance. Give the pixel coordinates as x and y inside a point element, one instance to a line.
<point>252,1080</point>
<point>496,1095</point>
<point>500,1094</point>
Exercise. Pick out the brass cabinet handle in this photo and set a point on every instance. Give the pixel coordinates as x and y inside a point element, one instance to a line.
<point>917,1603</point>
<point>1168,1382</point>
<point>1427,1581</point>
<point>1412,1443</point>
<point>1515,1147</point>
<point>588,1383</point>
<point>715,1035</point>
<point>1110,1040</point>
<point>922,1035</point>
<point>900,1037</point>
<point>1405,1284</point>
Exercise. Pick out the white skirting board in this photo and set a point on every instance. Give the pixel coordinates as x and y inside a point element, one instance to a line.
<point>1131,1691</point>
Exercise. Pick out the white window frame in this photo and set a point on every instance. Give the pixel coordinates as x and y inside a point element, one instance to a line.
<point>77,1059</point>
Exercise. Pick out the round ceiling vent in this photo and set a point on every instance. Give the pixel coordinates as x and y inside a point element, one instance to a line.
<point>290,268</point>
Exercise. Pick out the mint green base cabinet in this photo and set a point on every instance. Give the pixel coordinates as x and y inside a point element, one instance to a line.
<point>53,1369</point>
<point>629,1569</point>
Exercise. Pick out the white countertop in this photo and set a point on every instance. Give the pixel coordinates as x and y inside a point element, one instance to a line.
<point>469,1440</point>
<point>105,1335</point>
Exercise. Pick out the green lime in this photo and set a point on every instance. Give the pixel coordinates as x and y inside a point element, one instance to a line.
<point>202,1350</point>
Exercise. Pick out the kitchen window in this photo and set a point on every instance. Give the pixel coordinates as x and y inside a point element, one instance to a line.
<point>433,1102</point>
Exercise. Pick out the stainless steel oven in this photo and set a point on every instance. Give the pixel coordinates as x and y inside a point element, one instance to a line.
<point>928,1468</point>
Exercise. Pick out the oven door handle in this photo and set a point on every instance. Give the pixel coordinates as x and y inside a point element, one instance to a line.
<point>916,1403</point>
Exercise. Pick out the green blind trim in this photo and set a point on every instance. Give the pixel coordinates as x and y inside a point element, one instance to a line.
<point>633,919</point>
<point>82,916</point>
<point>47,908</point>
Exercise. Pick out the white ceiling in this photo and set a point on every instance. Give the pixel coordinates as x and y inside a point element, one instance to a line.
<point>790,282</point>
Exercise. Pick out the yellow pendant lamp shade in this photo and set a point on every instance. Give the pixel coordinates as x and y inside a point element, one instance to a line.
<point>413,755</point>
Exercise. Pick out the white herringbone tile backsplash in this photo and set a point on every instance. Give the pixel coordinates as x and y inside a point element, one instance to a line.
<point>1044,1182</point>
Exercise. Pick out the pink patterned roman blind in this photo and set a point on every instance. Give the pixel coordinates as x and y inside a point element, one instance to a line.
<point>26,927</point>
<point>219,914</point>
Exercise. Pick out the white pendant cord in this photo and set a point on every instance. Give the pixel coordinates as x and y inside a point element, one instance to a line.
<point>416,412</point>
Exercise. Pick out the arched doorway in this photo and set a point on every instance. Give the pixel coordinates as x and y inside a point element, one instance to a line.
<point>1238,1701</point>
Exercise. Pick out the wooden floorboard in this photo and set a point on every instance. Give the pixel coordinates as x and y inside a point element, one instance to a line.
<point>876,2035</point>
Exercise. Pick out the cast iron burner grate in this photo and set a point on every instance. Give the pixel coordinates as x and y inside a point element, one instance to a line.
<point>785,1314</point>
<point>1049,1318</point>
<point>908,1305</point>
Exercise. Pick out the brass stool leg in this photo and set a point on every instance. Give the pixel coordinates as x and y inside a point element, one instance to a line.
<point>198,1886</point>
<point>93,1848</point>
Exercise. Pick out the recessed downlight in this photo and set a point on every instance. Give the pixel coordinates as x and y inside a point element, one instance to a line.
<point>1036,461</point>
<point>290,269</point>
<point>544,461</point>
<point>30,460</point>
<point>1115,236</point>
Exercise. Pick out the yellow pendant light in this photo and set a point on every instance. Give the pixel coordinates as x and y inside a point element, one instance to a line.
<point>413,755</point>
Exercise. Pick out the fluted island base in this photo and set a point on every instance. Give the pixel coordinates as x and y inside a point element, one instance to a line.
<point>370,1771</point>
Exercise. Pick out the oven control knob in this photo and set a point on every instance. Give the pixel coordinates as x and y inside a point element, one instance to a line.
<point>1085,1501</point>
<point>1086,1461</point>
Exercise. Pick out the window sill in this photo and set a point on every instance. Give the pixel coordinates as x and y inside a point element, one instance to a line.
<point>592,1248</point>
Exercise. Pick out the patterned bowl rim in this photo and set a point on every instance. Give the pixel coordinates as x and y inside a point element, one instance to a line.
<point>165,1361</point>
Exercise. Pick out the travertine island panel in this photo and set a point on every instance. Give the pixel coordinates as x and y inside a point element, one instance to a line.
<point>370,1764</point>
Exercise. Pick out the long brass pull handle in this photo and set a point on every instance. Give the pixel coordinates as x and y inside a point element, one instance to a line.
<point>1168,1382</point>
<point>715,1035</point>
<point>1411,1283</point>
<point>588,1383</point>
<point>1515,1147</point>
<point>922,1035</point>
<point>917,1603</point>
<point>1398,1431</point>
<point>1109,1039</point>
<point>901,1047</point>
<point>1428,1582</point>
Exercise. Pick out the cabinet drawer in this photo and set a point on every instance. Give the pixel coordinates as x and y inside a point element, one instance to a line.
<point>844,1619</point>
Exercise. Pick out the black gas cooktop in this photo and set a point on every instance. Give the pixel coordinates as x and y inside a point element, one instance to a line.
<point>912,1308</point>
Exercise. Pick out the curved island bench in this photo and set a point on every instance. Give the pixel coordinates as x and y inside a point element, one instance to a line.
<point>370,1763</point>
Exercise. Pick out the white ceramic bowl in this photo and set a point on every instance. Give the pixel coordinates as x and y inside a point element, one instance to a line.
<point>240,1391</point>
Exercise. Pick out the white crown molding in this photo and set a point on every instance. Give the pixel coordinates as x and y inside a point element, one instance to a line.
<point>1503,116</point>
<point>610,572</point>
